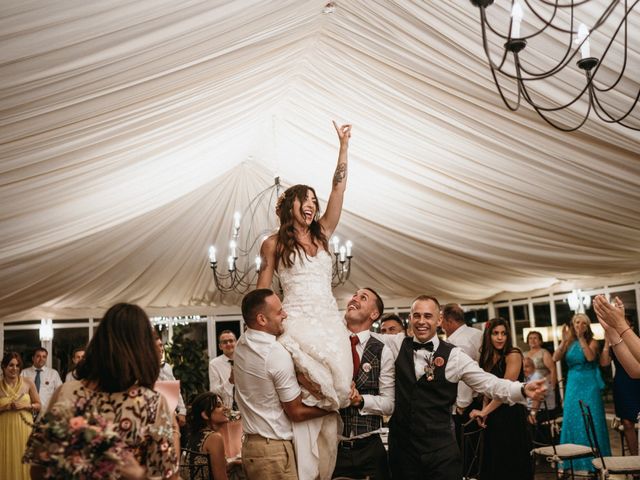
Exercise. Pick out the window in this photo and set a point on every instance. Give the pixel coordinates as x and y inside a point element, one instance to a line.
<point>23,342</point>
<point>65,341</point>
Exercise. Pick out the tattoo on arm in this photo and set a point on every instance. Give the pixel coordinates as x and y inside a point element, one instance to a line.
<point>341,173</point>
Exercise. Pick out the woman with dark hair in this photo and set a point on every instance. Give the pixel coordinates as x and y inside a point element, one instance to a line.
<point>315,332</point>
<point>584,382</point>
<point>18,400</point>
<point>116,381</point>
<point>506,438</point>
<point>206,417</point>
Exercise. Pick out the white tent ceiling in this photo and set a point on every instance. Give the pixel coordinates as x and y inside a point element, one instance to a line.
<point>130,132</point>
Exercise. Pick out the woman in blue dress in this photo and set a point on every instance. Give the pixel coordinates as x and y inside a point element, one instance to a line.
<point>584,382</point>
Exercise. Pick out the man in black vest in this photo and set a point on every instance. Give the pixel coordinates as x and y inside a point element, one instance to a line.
<point>422,443</point>
<point>361,452</point>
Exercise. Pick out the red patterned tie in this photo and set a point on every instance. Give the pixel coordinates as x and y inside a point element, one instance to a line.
<point>354,354</point>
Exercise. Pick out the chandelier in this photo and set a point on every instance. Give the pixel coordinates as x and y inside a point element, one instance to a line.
<point>240,273</point>
<point>578,301</point>
<point>595,77</point>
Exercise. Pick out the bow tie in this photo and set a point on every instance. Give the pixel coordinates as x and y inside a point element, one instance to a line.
<point>426,346</point>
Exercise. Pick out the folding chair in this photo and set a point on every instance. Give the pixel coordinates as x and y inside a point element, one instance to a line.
<point>554,453</point>
<point>194,465</point>
<point>471,449</point>
<point>606,465</point>
<point>617,425</point>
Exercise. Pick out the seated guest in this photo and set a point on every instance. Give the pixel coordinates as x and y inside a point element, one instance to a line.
<point>206,417</point>
<point>76,357</point>
<point>116,381</point>
<point>392,324</point>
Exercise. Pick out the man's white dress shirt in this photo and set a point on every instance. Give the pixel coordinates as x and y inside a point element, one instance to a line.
<point>219,373</point>
<point>469,340</point>
<point>461,367</point>
<point>264,377</point>
<point>49,381</point>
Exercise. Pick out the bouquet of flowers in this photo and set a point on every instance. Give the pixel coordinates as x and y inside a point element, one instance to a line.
<point>74,445</point>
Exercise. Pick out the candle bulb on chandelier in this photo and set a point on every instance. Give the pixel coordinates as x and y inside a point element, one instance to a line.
<point>258,263</point>
<point>236,221</point>
<point>231,261</point>
<point>349,247</point>
<point>212,254</point>
<point>343,254</point>
<point>336,244</point>
<point>516,16</point>
<point>232,249</point>
<point>583,40</point>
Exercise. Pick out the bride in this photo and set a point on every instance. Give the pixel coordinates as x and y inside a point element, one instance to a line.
<point>315,332</point>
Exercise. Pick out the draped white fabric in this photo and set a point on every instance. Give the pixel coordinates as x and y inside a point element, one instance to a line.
<point>130,132</point>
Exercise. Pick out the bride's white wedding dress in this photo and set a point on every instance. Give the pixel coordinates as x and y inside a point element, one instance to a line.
<point>318,340</point>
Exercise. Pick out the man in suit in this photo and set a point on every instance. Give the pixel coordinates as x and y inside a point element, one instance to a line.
<point>422,441</point>
<point>361,452</point>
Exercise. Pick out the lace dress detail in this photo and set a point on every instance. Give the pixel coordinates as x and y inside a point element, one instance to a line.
<point>315,332</point>
<point>318,340</point>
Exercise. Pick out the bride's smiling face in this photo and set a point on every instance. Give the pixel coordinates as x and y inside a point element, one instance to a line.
<point>304,212</point>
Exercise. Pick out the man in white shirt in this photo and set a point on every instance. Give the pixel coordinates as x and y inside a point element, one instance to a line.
<point>220,369</point>
<point>76,357</point>
<point>361,452</point>
<point>392,324</point>
<point>46,379</point>
<point>267,392</point>
<point>469,340</point>
<point>421,442</point>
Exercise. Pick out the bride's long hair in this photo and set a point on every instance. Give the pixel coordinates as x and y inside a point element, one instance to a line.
<point>287,246</point>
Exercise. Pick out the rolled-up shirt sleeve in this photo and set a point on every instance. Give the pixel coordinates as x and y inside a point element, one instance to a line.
<point>280,367</point>
<point>461,367</point>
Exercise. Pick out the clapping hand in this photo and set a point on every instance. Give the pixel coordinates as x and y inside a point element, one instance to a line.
<point>566,333</point>
<point>610,316</point>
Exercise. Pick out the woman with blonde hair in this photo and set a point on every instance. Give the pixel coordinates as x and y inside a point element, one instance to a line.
<point>584,382</point>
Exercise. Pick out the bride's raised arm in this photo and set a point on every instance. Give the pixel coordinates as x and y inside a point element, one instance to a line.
<point>331,217</point>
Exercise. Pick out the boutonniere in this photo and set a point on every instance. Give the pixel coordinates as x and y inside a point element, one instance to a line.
<point>438,361</point>
<point>366,367</point>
